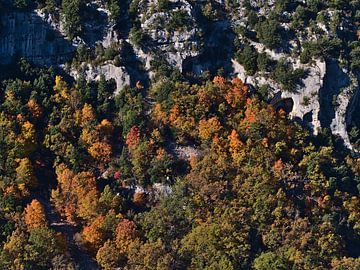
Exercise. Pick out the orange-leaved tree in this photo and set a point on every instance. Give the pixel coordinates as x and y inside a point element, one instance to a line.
<point>35,215</point>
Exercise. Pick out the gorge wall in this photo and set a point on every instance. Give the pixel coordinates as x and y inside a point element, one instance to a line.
<point>32,36</point>
<point>326,96</point>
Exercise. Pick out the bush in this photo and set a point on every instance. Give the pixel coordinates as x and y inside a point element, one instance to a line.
<point>248,58</point>
<point>355,55</point>
<point>115,10</point>
<point>268,33</point>
<point>287,76</point>
<point>252,19</point>
<point>163,4</point>
<point>110,53</point>
<point>263,62</point>
<point>305,56</point>
<point>178,20</point>
<point>136,36</point>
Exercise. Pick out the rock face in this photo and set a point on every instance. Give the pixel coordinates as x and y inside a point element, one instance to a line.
<point>189,37</point>
<point>109,71</point>
<point>306,99</point>
<point>340,94</point>
<point>31,36</point>
<point>326,97</point>
<point>339,122</point>
<point>175,44</point>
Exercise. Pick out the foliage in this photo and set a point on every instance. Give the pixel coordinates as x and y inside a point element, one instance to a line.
<point>175,175</point>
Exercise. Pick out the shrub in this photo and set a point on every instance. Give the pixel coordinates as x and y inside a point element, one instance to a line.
<point>268,33</point>
<point>248,58</point>
<point>287,76</point>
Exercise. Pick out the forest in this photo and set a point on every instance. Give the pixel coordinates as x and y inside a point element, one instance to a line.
<point>179,171</point>
<point>257,191</point>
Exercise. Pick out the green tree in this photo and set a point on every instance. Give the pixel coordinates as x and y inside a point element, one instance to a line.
<point>270,260</point>
<point>268,33</point>
<point>248,58</point>
<point>71,12</point>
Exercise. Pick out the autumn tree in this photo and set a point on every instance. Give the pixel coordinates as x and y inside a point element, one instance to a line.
<point>149,255</point>
<point>87,115</point>
<point>62,196</point>
<point>125,234</point>
<point>237,148</point>
<point>27,138</point>
<point>108,256</point>
<point>133,137</point>
<point>237,94</point>
<point>34,108</point>
<point>87,195</point>
<point>35,215</point>
<point>209,128</point>
<point>25,175</point>
<point>93,234</point>
<point>101,151</point>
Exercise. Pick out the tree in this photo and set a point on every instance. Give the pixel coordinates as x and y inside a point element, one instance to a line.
<point>34,108</point>
<point>236,147</point>
<point>14,250</point>
<point>108,256</point>
<point>25,175</point>
<point>43,247</point>
<point>125,234</point>
<point>270,260</point>
<point>109,200</point>
<point>115,10</point>
<point>62,196</point>
<point>93,234</point>
<point>105,128</point>
<point>208,249</point>
<point>86,194</point>
<point>268,32</point>
<point>149,255</point>
<point>87,115</point>
<point>345,263</point>
<point>27,138</point>
<point>209,128</point>
<point>133,137</point>
<point>100,151</point>
<point>237,94</point>
<point>35,215</point>
<point>71,11</point>
<point>248,58</point>
<point>287,76</point>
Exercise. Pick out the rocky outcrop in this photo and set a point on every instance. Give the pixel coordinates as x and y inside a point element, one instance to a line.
<point>181,34</point>
<point>343,110</point>
<point>305,99</point>
<point>174,44</point>
<point>32,36</point>
<point>109,71</point>
<point>326,97</point>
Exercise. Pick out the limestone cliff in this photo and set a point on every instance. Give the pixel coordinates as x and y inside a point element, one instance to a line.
<point>197,38</point>
<point>31,35</point>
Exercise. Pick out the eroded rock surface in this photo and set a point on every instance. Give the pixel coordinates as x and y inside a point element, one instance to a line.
<point>32,36</point>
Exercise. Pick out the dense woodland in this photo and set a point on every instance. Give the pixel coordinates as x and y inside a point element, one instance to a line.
<point>259,192</point>
<point>174,173</point>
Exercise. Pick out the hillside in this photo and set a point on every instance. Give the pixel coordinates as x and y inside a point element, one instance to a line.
<point>175,134</point>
